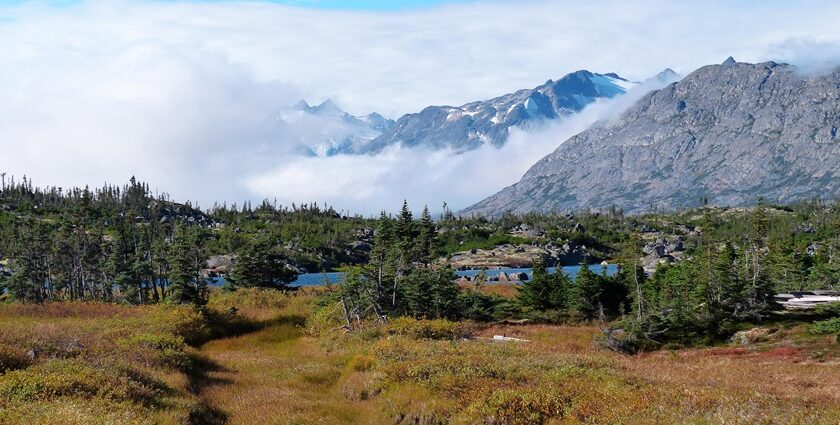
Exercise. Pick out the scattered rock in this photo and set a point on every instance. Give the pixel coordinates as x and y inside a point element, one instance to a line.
<point>750,336</point>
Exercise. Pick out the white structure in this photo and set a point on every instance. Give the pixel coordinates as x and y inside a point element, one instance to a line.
<point>807,299</point>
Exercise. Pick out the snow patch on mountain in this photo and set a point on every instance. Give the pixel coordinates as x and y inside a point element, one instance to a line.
<point>326,130</point>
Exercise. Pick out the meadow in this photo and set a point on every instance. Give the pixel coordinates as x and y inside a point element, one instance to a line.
<point>258,356</point>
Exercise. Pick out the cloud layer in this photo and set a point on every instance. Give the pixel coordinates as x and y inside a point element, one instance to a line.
<point>182,94</point>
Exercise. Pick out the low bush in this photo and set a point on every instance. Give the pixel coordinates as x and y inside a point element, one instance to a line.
<point>68,378</point>
<point>325,320</point>
<point>825,327</point>
<point>830,309</point>
<point>522,406</point>
<point>427,329</point>
<point>12,359</point>
<point>361,363</point>
<point>249,297</point>
<point>157,349</point>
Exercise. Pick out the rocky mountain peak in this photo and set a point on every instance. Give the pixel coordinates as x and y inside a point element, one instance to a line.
<point>469,126</point>
<point>730,133</point>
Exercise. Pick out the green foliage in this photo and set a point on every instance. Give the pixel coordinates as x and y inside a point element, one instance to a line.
<point>545,291</point>
<point>186,286</point>
<point>260,264</point>
<point>160,349</point>
<point>426,329</point>
<point>826,327</point>
<point>828,309</point>
<point>586,297</point>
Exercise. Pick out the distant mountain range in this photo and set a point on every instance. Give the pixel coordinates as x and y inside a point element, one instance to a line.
<point>331,131</point>
<point>729,133</point>
<point>466,127</point>
<point>326,130</point>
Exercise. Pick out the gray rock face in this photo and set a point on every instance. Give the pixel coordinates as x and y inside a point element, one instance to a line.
<point>732,133</point>
<point>467,127</point>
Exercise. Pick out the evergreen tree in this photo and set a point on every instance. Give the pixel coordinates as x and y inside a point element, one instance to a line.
<point>259,264</point>
<point>426,243</point>
<point>587,294</point>
<point>381,255</point>
<point>185,286</point>
<point>445,293</point>
<point>545,291</point>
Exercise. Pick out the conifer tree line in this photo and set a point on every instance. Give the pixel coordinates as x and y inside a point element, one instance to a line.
<point>124,244</point>
<point>92,245</point>
<point>729,278</point>
<point>402,277</point>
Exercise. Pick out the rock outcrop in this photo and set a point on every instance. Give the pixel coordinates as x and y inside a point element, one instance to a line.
<point>725,134</point>
<point>466,127</point>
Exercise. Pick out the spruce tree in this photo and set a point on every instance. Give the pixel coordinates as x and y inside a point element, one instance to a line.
<point>544,291</point>
<point>587,290</point>
<point>184,285</point>
<point>426,243</point>
<point>259,264</point>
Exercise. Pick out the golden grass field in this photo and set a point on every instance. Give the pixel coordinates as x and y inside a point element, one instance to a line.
<point>272,363</point>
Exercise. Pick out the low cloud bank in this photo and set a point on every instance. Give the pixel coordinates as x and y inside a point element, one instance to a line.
<point>185,94</point>
<point>368,184</point>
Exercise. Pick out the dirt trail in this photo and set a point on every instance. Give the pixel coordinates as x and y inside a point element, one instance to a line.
<point>276,375</point>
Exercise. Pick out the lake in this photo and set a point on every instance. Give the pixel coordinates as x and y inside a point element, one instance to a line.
<point>318,279</point>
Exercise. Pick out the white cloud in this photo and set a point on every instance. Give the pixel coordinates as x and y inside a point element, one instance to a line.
<point>182,93</point>
<point>368,184</point>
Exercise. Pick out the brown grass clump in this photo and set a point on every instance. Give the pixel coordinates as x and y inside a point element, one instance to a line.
<point>427,329</point>
<point>97,363</point>
<point>262,364</point>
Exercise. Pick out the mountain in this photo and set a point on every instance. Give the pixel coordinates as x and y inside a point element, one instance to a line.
<point>731,133</point>
<point>326,130</point>
<point>469,126</point>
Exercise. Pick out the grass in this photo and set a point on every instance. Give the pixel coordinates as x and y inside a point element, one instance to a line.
<point>101,363</point>
<point>88,363</point>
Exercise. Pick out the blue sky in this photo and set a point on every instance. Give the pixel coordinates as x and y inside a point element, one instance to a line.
<point>365,4</point>
<point>382,5</point>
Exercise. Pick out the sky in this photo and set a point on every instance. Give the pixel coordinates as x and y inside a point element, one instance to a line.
<point>182,93</point>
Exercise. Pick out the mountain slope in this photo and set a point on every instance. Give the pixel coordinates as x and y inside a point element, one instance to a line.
<point>732,132</point>
<point>326,130</point>
<point>467,127</point>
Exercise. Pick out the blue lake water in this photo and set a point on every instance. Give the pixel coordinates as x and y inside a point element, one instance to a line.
<point>319,279</point>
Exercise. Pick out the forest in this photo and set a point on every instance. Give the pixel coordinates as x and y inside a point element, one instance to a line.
<point>118,277</point>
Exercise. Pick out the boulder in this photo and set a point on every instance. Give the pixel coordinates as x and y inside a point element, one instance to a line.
<point>750,336</point>
<point>659,250</point>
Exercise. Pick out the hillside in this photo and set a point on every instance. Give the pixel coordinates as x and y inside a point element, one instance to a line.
<point>469,126</point>
<point>726,134</point>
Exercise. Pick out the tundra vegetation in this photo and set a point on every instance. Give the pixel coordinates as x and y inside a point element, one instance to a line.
<point>107,316</point>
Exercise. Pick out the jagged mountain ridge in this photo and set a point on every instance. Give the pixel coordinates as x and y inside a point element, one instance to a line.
<point>469,126</point>
<point>731,133</point>
<point>326,130</point>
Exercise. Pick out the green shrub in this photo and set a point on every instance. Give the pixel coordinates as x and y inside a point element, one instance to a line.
<point>522,406</point>
<point>830,309</point>
<point>825,327</point>
<point>62,378</point>
<point>249,297</point>
<point>161,349</point>
<point>325,320</point>
<point>361,363</point>
<point>427,329</point>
